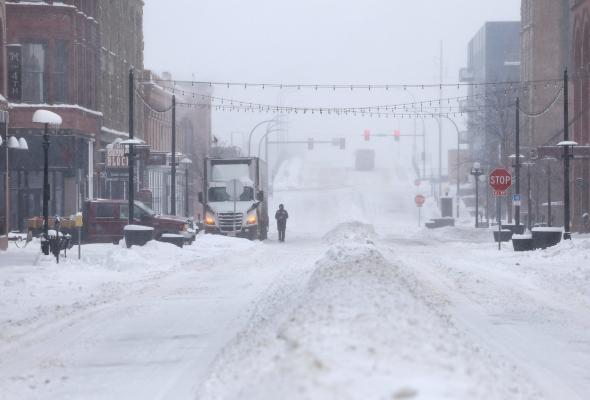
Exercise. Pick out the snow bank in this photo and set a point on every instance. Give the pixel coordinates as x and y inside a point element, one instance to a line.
<point>353,232</point>
<point>289,175</point>
<point>361,329</point>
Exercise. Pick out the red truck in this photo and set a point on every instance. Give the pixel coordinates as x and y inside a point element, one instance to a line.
<point>104,221</point>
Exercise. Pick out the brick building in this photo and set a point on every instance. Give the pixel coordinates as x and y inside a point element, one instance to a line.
<point>121,41</point>
<point>545,53</point>
<point>52,53</point>
<point>193,138</point>
<point>580,51</point>
<point>121,49</point>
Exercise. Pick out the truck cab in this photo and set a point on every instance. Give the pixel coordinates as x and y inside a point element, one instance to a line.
<point>234,197</point>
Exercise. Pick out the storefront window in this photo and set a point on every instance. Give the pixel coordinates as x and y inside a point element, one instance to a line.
<point>33,73</point>
<point>60,78</point>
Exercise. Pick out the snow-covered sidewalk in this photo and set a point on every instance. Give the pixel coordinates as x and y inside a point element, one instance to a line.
<point>121,324</point>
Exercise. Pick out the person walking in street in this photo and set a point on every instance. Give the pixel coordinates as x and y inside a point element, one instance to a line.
<point>281,216</point>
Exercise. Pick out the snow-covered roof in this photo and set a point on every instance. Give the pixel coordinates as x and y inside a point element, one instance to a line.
<point>45,105</point>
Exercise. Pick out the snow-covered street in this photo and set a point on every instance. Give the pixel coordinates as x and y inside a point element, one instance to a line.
<point>359,303</point>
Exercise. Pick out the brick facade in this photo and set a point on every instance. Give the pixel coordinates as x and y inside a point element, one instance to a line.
<point>121,42</point>
<point>545,55</point>
<point>193,134</point>
<point>580,52</point>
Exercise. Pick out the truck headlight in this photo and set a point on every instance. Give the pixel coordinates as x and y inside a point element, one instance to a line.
<point>209,219</point>
<point>252,219</point>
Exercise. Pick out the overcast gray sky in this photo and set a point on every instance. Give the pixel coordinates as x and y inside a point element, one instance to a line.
<point>314,41</point>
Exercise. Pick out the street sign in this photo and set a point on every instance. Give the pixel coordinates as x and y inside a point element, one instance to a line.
<point>419,199</point>
<point>517,199</point>
<point>500,181</point>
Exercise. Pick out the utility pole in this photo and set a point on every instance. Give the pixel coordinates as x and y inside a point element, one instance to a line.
<point>440,125</point>
<point>566,163</point>
<point>173,160</point>
<point>131,157</point>
<point>517,164</point>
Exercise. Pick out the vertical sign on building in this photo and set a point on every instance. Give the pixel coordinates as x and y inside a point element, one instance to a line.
<point>14,64</point>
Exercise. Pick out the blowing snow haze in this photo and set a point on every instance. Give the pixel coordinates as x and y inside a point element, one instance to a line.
<point>261,200</point>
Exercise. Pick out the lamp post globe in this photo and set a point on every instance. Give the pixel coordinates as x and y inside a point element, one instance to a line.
<point>47,118</point>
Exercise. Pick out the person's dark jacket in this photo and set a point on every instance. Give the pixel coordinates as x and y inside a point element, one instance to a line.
<point>281,216</point>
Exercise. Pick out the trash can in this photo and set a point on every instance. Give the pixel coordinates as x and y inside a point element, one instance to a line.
<point>522,242</point>
<point>503,236</point>
<point>177,240</point>
<point>446,207</point>
<point>137,235</point>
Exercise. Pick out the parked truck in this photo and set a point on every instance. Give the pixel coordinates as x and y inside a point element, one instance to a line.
<point>104,220</point>
<point>234,197</point>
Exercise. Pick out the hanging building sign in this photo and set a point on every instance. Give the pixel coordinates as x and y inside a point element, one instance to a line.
<point>14,66</point>
<point>116,157</point>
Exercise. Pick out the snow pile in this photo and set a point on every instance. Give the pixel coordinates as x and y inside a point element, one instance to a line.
<point>360,329</point>
<point>351,232</point>
<point>289,175</point>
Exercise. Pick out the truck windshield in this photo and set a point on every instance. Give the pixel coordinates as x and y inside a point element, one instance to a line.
<point>219,194</point>
<point>140,210</point>
<point>144,208</point>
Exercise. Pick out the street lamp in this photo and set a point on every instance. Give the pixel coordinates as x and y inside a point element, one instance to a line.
<point>516,165</point>
<point>548,170</point>
<point>9,143</point>
<point>528,164</point>
<point>476,172</point>
<point>47,118</point>
<point>131,144</point>
<point>270,121</point>
<point>567,144</point>
<point>186,162</point>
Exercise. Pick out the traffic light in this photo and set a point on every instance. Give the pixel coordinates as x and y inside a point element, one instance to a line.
<point>342,143</point>
<point>396,135</point>
<point>310,144</point>
<point>367,135</point>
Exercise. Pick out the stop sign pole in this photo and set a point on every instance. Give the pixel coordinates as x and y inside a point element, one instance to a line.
<point>419,199</point>
<point>500,181</point>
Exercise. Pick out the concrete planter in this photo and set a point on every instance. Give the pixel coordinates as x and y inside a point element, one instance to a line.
<point>546,237</point>
<point>523,242</point>
<point>503,236</point>
<point>515,229</point>
<point>138,235</point>
<point>177,240</point>
<point>440,223</point>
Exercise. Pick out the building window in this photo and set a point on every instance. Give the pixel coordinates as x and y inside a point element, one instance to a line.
<point>33,73</point>
<point>61,72</point>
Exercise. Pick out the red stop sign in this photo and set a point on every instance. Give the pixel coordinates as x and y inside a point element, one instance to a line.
<point>500,181</point>
<point>419,199</point>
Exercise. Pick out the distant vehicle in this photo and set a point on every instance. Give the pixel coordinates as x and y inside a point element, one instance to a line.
<point>234,197</point>
<point>105,219</point>
<point>365,160</point>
